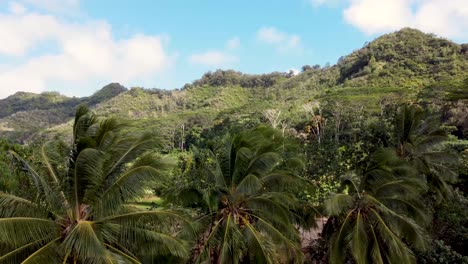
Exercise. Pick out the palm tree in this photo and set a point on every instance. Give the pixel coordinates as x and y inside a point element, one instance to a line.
<point>377,216</point>
<point>78,212</point>
<point>418,139</point>
<point>240,192</point>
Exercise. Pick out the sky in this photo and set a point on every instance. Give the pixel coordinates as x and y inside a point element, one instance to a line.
<point>76,47</point>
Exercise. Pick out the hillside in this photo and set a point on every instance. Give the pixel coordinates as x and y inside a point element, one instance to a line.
<point>393,67</point>
<point>406,58</point>
<point>23,114</point>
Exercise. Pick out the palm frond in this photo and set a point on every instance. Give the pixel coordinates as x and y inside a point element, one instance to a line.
<point>88,170</point>
<point>107,134</point>
<point>263,164</point>
<point>411,208</point>
<point>338,203</point>
<point>376,250</point>
<point>151,218</point>
<point>84,119</point>
<point>13,206</point>
<point>399,251</point>
<point>282,180</point>
<point>20,253</point>
<point>359,241</point>
<point>287,236</point>
<point>83,242</point>
<point>249,185</point>
<point>124,255</point>
<point>274,211</point>
<point>262,249</point>
<point>50,169</point>
<point>128,149</point>
<point>42,189</point>
<point>145,242</point>
<point>130,185</point>
<point>18,231</point>
<point>45,254</point>
<point>230,242</point>
<point>340,240</point>
<point>243,157</point>
<point>207,242</point>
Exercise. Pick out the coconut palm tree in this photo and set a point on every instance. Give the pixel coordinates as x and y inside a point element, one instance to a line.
<point>240,192</point>
<point>377,217</point>
<point>418,139</point>
<point>77,211</point>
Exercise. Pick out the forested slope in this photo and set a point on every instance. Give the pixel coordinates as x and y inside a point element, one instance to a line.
<point>395,67</point>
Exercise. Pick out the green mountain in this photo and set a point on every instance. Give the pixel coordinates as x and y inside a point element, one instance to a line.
<point>394,67</point>
<point>23,114</point>
<point>406,58</point>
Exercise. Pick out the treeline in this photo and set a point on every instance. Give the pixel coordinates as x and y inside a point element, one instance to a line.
<point>226,78</point>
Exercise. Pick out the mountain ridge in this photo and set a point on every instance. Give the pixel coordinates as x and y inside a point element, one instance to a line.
<point>393,66</point>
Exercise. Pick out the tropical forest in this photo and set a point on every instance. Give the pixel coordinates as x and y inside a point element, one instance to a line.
<point>362,161</point>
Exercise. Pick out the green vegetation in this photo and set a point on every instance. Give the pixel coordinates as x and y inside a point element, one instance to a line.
<point>365,161</point>
<point>79,213</point>
<point>241,198</point>
<point>22,115</point>
<point>378,215</point>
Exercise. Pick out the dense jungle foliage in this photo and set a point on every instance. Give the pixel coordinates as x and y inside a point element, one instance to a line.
<point>365,161</point>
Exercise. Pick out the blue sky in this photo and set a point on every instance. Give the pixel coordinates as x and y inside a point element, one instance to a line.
<point>77,46</point>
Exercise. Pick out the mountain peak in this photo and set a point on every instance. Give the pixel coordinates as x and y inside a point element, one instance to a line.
<point>405,53</point>
<point>105,93</point>
<point>113,88</point>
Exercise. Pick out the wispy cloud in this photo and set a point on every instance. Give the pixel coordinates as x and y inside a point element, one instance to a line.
<point>328,3</point>
<point>283,42</point>
<point>218,57</point>
<point>317,3</point>
<point>233,43</point>
<point>54,6</point>
<point>213,58</point>
<point>17,8</point>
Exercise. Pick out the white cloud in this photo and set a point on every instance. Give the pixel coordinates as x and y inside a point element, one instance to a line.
<point>317,3</point>
<point>54,6</point>
<point>327,3</point>
<point>233,43</point>
<point>217,58</point>
<point>442,17</point>
<point>271,35</point>
<point>281,40</point>
<point>22,32</point>
<point>87,54</point>
<point>213,58</point>
<point>17,8</point>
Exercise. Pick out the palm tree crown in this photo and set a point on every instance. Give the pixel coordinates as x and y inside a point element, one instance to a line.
<point>378,213</point>
<point>243,202</point>
<point>418,139</point>
<point>80,214</point>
